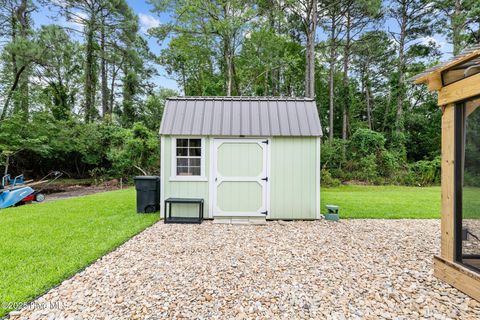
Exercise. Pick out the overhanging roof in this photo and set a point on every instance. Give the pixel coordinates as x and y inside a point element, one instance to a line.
<point>241,116</point>
<point>470,55</point>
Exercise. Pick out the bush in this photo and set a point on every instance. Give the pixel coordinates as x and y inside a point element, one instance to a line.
<point>367,169</point>
<point>328,180</point>
<point>366,142</point>
<point>99,150</point>
<point>423,172</point>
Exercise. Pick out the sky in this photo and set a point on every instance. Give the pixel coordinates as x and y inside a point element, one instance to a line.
<point>148,20</point>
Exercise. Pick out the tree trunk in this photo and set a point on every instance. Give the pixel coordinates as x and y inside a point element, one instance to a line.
<point>228,63</point>
<point>13,22</point>
<point>346,80</point>
<point>401,71</point>
<point>331,76</point>
<point>106,109</point>
<point>7,163</point>
<point>89,83</point>
<point>310,50</point>
<point>11,91</point>
<point>112,87</point>
<point>456,28</point>
<point>369,106</point>
<point>23,81</point>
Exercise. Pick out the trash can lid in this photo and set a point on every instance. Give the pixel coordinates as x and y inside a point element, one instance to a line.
<point>146,178</point>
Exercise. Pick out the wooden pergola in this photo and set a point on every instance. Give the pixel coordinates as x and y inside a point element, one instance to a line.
<point>457,82</point>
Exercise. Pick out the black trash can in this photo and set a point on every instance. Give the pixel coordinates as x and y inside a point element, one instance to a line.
<point>148,193</point>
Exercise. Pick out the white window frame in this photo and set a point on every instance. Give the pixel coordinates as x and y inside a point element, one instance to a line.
<point>173,174</point>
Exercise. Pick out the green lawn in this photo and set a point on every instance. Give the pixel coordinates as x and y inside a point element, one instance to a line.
<point>43,244</point>
<point>383,202</point>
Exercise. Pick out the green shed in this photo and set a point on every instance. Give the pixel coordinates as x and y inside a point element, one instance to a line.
<point>250,159</point>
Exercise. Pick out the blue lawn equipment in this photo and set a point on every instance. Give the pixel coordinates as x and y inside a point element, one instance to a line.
<point>17,191</point>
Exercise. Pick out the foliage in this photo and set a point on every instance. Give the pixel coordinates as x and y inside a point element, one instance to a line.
<point>424,172</point>
<point>38,254</point>
<point>328,180</point>
<point>134,151</point>
<point>365,158</point>
<point>78,149</point>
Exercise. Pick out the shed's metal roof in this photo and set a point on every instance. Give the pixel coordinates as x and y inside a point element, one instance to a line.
<point>241,116</point>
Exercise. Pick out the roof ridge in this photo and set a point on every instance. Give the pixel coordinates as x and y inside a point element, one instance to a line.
<point>246,98</point>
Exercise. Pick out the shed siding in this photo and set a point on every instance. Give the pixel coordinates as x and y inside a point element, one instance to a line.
<point>186,189</point>
<point>293,178</point>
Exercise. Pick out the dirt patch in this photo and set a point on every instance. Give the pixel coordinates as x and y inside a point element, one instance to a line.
<point>76,191</point>
<point>62,191</point>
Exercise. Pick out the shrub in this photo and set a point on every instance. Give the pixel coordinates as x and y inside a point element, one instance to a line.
<point>366,142</point>
<point>423,172</point>
<point>367,169</point>
<point>327,179</point>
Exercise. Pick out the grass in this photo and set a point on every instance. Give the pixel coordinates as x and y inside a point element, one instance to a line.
<point>471,203</point>
<point>383,202</point>
<point>43,244</point>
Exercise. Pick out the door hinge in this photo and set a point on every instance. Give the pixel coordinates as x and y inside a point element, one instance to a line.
<point>264,212</point>
<point>265,141</point>
<point>265,179</point>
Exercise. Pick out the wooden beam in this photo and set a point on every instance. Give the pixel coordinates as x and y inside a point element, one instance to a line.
<point>451,76</point>
<point>457,276</point>
<point>448,204</point>
<point>434,81</point>
<point>460,90</point>
<point>472,105</point>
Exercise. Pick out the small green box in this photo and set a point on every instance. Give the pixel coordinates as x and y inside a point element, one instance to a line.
<point>332,213</point>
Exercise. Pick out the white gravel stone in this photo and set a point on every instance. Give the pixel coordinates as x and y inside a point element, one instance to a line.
<point>354,269</point>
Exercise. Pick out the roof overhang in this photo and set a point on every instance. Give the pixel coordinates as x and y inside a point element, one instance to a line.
<point>455,80</point>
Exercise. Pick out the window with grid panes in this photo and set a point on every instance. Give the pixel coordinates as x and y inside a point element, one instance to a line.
<point>189,157</point>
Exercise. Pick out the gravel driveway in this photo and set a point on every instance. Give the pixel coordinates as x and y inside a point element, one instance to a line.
<point>353,269</point>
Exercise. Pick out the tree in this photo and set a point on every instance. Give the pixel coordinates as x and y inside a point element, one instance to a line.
<point>457,20</point>
<point>306,11</point>
<point>332,24</point>
<point>100,20</point>
<point>222,22</point>
<point>60,70</point>
<point>373,61</point>
<point>358,16</point>
<point>21,52</point>
<point>413,19</point>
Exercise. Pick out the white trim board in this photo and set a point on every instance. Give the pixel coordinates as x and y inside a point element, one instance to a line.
<point>318,169</point>
<point>173,167</point>
<point>162,175</point>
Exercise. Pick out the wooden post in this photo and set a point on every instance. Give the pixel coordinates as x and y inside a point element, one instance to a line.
<point>448,199</point>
